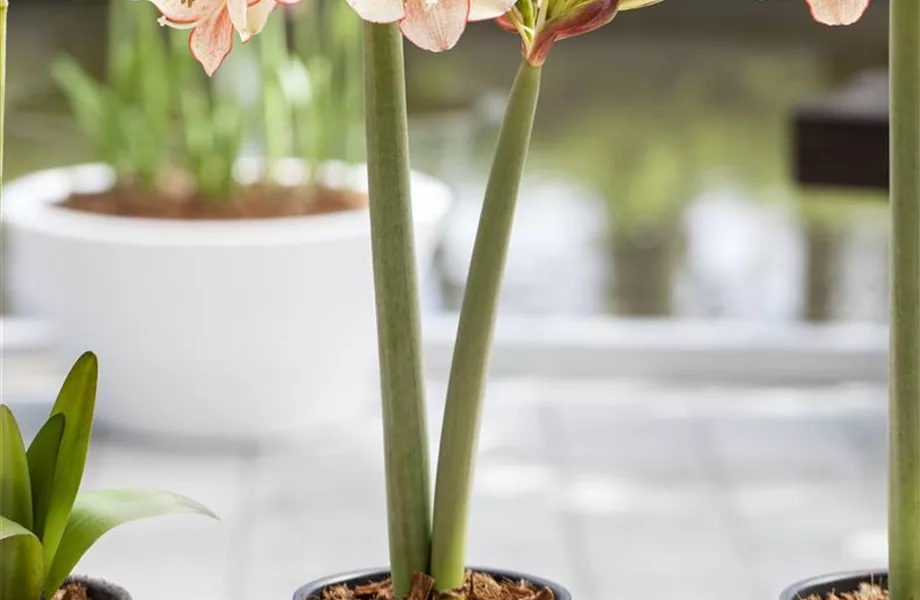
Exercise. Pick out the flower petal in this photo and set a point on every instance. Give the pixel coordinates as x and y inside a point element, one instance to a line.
<point>186,11</point>
<point>505,23</point>
<point>435,25</point>
<point>163,21</point>
<point>591,17</point>
<point>237,9</point>
<point>483,10</point>
<point>379,11</point>
<point>212,41</point>
<point>631,4</point>
<point>258,15</point>
<point>837,12</point>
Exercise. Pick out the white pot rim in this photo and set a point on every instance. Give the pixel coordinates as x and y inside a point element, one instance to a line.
<point>32,203</point>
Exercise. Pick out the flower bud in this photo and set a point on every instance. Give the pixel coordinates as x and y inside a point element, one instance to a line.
<point>582,18</point>
<point>541,23</point>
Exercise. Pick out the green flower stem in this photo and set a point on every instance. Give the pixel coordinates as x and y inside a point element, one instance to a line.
<point>474,335</point>
<point>904,518</point>
<point>4,7</point>
<point>398,323</point>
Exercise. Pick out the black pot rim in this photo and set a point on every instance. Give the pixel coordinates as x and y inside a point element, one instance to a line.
<point>804,588</point>
<point>309,590</point>
<point>99,589</point>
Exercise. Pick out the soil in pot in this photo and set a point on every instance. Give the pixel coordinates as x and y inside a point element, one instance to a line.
<point>71,591</point>
<point>851,586</point>
<point>866,591</point>
<point>174,198</point>
<point>479,586</point>
<point>86,588</point>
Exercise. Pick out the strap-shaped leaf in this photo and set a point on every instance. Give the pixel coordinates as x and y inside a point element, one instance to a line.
<point>21,568</point>
<point>42,457</point>
<point>15,489</point>
<point>91,105</point>
<point>94,513</point>
<point>76,402</point>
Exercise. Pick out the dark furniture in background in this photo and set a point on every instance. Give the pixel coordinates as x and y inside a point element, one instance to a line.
<point>842,140</point>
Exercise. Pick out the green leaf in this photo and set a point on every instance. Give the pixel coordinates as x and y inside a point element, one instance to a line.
<point>154,68</point>
<point>75,401</point>
<point>20,562</point>
<point>15,489</point>
<point>86,98</point>
<point>154,102</point>
<point>95,513</point>
<point>42,457</point>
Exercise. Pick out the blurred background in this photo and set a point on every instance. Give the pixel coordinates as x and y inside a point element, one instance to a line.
<point>688,393</point>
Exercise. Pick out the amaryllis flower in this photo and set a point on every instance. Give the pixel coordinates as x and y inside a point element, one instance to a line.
<point>212,23</point>
<point>837,12</point>
<point>434,25</point>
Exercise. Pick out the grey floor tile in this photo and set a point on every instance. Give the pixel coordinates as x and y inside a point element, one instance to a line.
<point>156,558</point>
<point>516,533</point>
<point>317,509</point>
<point>788,450</point>
<point>600,438</point>
<point>812,528</point>
<point>666,557</point>
<point>655,547</point>
<point>808,507</point>
<point>613,488</point>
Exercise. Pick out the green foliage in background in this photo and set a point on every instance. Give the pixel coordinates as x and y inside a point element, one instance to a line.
<point>127,119</point>
<point>157,111</point>
<point>46,525</point>
<point>653,149</point>
<point>311,84</point>
<point>327,46</point>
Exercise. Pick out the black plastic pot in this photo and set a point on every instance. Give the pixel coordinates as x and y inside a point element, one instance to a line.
<point>839,583</point>
<point>313,590</point>
<point>97,589</point>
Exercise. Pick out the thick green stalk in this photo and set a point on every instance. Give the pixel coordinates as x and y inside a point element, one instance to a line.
<point>904,517</point>
<point>398,323</point>
<point>472,351</point>
<point>4,7</point>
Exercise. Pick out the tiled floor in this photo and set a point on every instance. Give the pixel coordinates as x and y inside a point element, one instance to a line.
<point>617,489</point>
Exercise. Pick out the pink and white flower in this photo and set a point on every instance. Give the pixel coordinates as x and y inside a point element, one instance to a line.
<point>212,23</point>
<point>837,12</point>
<point>434,25</point>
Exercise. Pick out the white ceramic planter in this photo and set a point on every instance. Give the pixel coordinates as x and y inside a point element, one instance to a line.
<point>240,329</point>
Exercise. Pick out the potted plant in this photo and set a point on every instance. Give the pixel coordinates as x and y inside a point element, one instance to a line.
<point>901,581</point>
<point>427,542</point>
<point>261,267</point>
<point>46,522</point>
